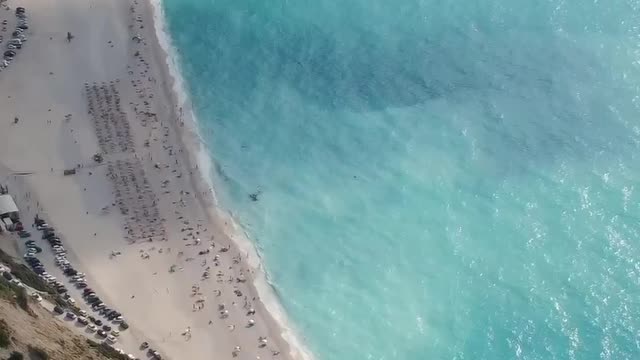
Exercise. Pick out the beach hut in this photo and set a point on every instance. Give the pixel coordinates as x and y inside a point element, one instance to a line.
<point>8,208</point>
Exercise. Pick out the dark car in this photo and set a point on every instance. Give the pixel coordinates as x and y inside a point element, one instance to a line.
<point>83,321</point>
<point>98,322</point>
<point>7,276</point>
<point>9,54</point>
<point>70,271</point>
<point>154,354</point>
<point>102,333</point>
<point>58,310</point>
<point>124,326</point>
<point>23,234</point>
<point>86,291</point>
<point>20,10</point>
<point>106,328</point>
<point>23,26</point>
<point>94,300</point>
<point>81,285</point>
<point>92,319</point>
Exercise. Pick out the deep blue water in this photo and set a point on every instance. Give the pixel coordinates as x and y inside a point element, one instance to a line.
<point>438,179</point>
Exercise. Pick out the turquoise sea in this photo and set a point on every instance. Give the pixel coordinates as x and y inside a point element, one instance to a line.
<point>435,179</point>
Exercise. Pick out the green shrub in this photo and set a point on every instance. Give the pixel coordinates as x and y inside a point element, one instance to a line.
<point>16,356</point>
<point>6,292</point>
<point>5,334</point>
<point>21,299</point>
<point>25,274</point>
<point>37,353</point>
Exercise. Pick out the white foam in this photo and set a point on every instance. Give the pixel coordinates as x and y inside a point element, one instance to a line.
<point>261,279</point>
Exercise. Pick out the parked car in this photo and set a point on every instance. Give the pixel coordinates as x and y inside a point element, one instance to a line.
<point>58,310</point>
<point>92,328</point>
<point>102,333</point>
<point>83,320</point>
<point>71,316</point>
<point>112,339</point>
<point>42,226</point>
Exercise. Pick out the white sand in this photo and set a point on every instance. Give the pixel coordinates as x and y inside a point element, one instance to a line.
<point>44,84</point>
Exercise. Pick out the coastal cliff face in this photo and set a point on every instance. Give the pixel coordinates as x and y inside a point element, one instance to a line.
<point>36,333</point>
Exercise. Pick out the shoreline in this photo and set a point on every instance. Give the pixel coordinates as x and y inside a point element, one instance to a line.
<point>89,233</point>
<point>196,146</point>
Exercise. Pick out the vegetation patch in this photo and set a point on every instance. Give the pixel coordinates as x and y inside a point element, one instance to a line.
<point>16,355</point>
<point>6,291</point>
<point>5,334</point>
<point>106,350</point>
<point>21,299</point>
<point>37,353</point>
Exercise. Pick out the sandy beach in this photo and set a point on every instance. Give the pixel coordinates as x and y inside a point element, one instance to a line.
<point>141,223</point>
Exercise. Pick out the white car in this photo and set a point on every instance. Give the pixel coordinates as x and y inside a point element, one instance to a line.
<point>36,297</point>
<point>82,313</point>
<point>92,328</point>
<point>117,320</point>
<point>112,339</point>
<point>115,333</point>
<point>43,226</point>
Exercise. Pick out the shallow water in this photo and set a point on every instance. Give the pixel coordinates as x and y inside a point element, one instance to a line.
<point>436,179</point>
